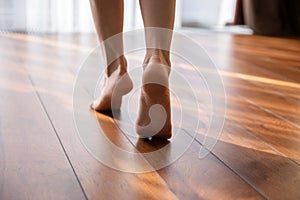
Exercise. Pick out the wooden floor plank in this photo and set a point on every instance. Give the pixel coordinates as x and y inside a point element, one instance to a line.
<point>243,191</point>
<point>264,102</point>
<point>192,173</point>
<point>256,155</point>
<point>231,54</point>
<point>55,86</point>
<point>269,172</point>
<point>289,73</point>
<point>258,140</point>
<point>254,138</point>
<point>267,162</point>
<point>281,135</point>
<point>190,177</point>
<point>33,164</point>
<point>276,103</point>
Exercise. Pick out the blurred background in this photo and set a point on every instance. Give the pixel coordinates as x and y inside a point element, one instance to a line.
<point>74,16</point>
<point>268,17</point>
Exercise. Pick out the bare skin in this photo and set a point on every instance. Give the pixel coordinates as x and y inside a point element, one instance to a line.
<point>116,85</point>
<point>106,27</point>
<point>156,13</point>
<point>155,90</point>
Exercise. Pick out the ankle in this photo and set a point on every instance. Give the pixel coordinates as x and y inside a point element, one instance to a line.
<point>117,66</point>
<point>157,56</point>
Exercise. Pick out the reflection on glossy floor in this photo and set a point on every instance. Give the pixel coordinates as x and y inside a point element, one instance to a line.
<point>42,156</point>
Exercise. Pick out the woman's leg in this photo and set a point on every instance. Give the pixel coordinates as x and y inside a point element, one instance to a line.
<point>159,14</point>
<point>108,19</point>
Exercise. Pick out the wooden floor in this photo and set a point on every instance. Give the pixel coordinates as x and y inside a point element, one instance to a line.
<point>257,155</point>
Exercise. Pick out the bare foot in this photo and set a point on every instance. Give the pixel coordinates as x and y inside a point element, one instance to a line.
<point>116,85</point>
<point>154,119</point>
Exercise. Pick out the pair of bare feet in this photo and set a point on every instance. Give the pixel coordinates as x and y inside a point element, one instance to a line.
<point>154,116</point>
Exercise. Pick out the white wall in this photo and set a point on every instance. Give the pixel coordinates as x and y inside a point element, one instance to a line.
<point>59,16</point>
<point>207,12</point>
<point>75,16</point>
<point>12,15</point>
<point>45,16</point>
<point>133,18</point>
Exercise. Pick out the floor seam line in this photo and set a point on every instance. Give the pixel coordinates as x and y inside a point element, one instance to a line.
<point>57,136</point>
<point>227,166</point>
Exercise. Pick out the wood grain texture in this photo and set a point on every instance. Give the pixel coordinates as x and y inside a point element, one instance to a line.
<point>256,157</point>
<point>33,164</point>
<point>55,86</point>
